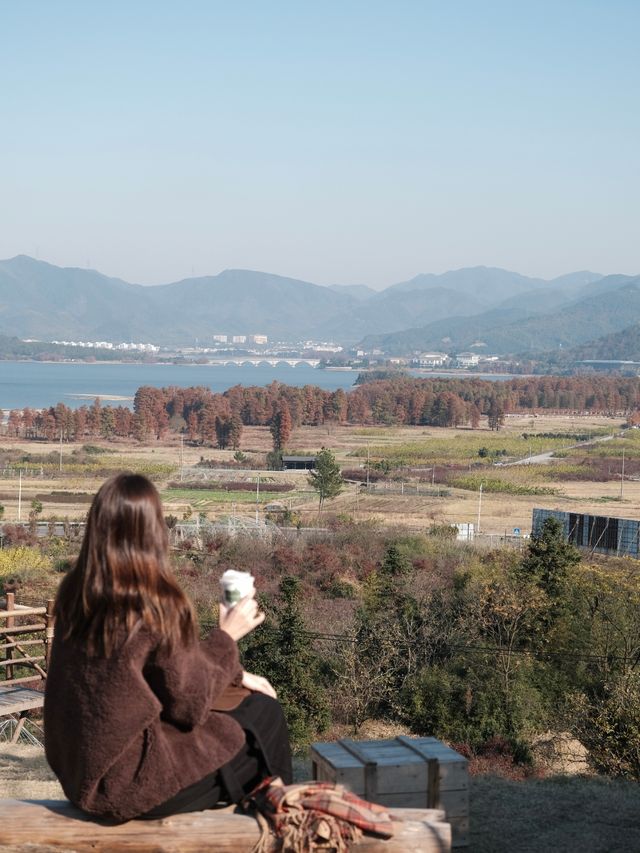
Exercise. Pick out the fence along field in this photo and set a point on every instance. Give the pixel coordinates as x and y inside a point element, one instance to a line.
<point>401,459</point>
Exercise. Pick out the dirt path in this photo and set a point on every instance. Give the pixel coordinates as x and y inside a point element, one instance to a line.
<point>25,774</point>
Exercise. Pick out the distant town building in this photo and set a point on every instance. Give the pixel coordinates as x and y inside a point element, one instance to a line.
<point>220,339</point>
<point>467,359</point>
<point>258,339</point>
<point>109,345</point>
<point>431,359</point>
<point>239,339</point>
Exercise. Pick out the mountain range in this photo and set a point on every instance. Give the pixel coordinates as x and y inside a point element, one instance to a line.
<point>484,308</point>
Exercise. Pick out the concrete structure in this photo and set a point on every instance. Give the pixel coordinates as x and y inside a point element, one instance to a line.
<point>599,533</point>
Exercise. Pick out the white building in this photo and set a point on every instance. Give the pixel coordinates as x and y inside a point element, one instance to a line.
<point>220,339</point>
<point>432,359</point>
<point>258,339</point>
<point>239,339</point>
<point>467,359</point>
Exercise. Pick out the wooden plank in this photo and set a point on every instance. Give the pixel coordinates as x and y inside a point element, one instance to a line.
<point>27,678</point>
<point>459,831</point>
<point>351,776</point>
<point>10,623</point>
<point>22,611</point>
<point>16,699</point>
<point>56,825</point>
<point>397,769</point>
<point>452,767</point>
<point>22,629</point>
<point>25,661</point>
<point>369,766</point>
<point>454,803</point>
<point>16,643</point>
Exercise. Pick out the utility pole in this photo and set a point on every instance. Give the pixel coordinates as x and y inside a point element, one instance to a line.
<point>479,507</point>
<point>19,494</point>
<point>60,449</point>
<point>181,456</point>
<point>622,474</point>
<point>368,449</point>
<point>258,499</point>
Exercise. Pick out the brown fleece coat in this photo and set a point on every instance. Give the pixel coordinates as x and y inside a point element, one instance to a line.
<point>124,734</point>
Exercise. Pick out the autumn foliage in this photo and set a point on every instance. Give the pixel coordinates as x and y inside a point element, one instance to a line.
<point>217,419</point>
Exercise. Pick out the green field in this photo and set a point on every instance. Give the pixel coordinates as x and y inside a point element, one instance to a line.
<point>204,497</point>
<point>464,447</point>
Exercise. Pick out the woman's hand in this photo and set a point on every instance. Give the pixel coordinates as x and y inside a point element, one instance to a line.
<point>238,621</point>
<point>258,684</point>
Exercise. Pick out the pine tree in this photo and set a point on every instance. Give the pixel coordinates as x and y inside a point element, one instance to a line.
<point>281,426</point>
<point>281,652</point>
<point>549,558</point>
<point>326,478</point>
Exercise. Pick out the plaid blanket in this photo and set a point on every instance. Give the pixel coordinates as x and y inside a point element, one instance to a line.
<point>313,816</point>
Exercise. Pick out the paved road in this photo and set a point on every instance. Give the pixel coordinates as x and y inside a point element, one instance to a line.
<point>545,458</point>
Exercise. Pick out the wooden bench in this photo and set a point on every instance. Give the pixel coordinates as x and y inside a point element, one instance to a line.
<point>35,826</point>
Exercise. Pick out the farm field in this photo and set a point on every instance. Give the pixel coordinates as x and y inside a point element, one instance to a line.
<point>420,476</point>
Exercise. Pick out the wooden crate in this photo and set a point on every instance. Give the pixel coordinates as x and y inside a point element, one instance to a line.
<point>402,772</point>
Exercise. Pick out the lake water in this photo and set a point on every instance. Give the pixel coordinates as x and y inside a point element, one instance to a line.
<point>40,384</point>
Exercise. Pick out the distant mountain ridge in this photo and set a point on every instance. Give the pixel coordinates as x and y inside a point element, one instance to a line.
<point>42,301</point>
<point>522,326</point>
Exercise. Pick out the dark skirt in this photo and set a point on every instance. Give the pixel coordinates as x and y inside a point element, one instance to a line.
<point>265,753</point>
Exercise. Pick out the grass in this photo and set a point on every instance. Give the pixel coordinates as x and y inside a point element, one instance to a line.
<point>201,497</point>
<point>100,467</point>
<point>472,483</point>
<point>462,447</point>
<point>571,814</point>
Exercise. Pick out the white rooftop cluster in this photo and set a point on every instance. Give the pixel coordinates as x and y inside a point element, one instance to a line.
<point>109,345</point>
<point>240,339</point>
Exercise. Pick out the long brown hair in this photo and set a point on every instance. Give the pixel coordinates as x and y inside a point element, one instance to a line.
<point>122,577</point>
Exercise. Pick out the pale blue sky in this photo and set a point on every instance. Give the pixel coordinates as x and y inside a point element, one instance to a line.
<point>337,142</point>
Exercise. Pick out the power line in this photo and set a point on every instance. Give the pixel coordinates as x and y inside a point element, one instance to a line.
<point>461,647</point>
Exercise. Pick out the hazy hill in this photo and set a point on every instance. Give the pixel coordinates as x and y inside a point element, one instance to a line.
<point>487,284</point>
<point>39,300</point>
<point>623,345</point>
<point>358,291</point>
<point>394,310</point>
<point>519,327</point>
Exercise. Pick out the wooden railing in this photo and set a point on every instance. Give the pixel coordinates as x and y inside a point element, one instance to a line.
<point>18,652</point>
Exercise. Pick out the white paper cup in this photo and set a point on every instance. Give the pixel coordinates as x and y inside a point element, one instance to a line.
<point>235,585</point>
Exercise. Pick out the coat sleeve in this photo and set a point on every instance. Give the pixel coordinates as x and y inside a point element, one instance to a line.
<point>188,679</point>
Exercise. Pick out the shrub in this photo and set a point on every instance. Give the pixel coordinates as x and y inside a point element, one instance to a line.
<point>22,564</point>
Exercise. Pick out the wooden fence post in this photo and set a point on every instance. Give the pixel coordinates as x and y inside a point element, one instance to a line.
<point>10,622</point>
<point>48,632</point>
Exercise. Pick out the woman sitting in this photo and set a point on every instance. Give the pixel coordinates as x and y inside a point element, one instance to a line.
<point>131,726</point>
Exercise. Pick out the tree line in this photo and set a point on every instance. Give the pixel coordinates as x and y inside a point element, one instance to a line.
<point>218,418</point>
